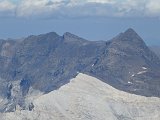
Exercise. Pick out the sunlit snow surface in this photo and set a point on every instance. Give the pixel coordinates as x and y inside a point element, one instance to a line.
<point>87,98</point>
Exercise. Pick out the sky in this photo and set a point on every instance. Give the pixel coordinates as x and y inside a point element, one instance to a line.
<point>90,19</point>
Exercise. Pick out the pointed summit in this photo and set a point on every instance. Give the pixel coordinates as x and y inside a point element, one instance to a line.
<point>130,34</point>
<point>130,31</point>
<point>129,37</point>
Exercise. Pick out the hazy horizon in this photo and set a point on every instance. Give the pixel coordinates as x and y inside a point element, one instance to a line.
<point>89,19</point>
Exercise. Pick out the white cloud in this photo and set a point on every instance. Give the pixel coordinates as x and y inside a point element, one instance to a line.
<point>7,8</point>
<point>29,7</point>
<point>81,8</point>
<point>153,8</point>
<point>102,1</point>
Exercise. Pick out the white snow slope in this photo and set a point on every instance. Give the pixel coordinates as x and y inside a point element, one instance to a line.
<point>87,98</point>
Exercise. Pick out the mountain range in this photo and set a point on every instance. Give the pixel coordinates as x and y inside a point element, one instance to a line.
<point>43,63</point>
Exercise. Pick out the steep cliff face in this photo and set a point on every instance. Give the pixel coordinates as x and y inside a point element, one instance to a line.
<point>88,98</point>
<point>129,65</point>
<point>48,61</point>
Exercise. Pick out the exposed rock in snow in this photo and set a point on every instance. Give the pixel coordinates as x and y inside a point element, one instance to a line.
<point>87,98</point>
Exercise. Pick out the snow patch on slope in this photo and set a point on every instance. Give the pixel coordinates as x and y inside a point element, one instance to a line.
<point>144,68</point>
<point>87,98</point>
<point>141,72</point>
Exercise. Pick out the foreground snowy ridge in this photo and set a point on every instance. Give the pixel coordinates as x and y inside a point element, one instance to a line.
<point>87,98</point>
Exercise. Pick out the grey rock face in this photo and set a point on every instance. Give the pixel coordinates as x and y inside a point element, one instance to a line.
<point>156,49</point>
<point>129,65</point>
<point>48,61</point>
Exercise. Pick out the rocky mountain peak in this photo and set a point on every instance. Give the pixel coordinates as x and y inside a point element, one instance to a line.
<point>131,44</point>
<point>68,34</point>
<point>49,35</point>
<point>54,34</point>
<point>71,37</point>
<point>128,40</point>
<point>129,36</point>
<point>133,37</point>
<point>130,31</point>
